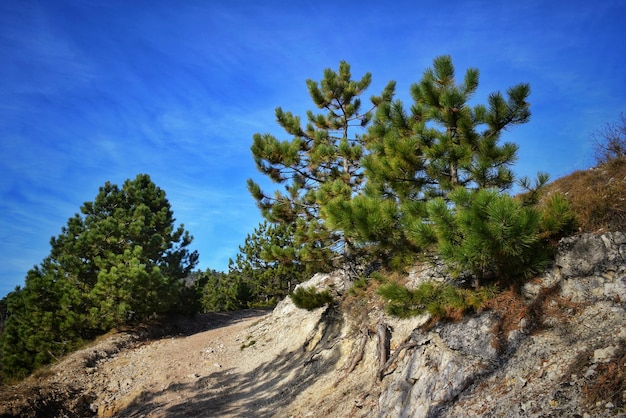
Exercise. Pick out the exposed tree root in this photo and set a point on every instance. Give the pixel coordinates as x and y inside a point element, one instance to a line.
<point>384,341</point>
<point>357,355</point>
<point>406,345</point>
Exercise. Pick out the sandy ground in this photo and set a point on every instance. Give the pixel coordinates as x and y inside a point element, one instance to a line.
<point>250,363</point>
<point>180,375</point>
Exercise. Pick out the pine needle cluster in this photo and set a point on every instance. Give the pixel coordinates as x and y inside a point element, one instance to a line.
<point>433,298</point>
<point>310,298</point>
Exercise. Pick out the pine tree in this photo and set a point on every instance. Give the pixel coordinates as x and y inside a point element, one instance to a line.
<point>219,292</point>
<point>460,142</point>
<point>269,263</point>
<point>320,163</point>
<point>487,234</point>
<point>120,261</point>
<point>413,156</point>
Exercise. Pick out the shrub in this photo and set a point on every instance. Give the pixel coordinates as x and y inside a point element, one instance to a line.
<point>438,300</point>
<point>557,217</point>
<point>310,298</point>
<point>487,234</point>
<point>609,142</point>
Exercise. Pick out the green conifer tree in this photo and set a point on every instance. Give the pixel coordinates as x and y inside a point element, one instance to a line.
<point>120,261</point>
<point>461,142</point>
<point>487,234</point>
<point>320,163</point>
<point>441,144</point>
<point>220,293</point>
<point>269,263</point>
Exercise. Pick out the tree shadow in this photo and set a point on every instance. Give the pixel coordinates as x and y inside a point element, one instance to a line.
<point>257,393</point>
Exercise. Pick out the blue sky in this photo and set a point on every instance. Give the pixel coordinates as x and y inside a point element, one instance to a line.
<point>101,90</point>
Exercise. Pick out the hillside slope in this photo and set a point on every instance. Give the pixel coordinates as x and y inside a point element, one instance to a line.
<point>561,352</point>
<point>555,348</point>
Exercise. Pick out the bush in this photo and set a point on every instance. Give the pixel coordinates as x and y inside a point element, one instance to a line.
<point>487,234</point>
<point>609,142</point>
<point>557,217</point>
<point>310,298</point>
<point>438,300</point>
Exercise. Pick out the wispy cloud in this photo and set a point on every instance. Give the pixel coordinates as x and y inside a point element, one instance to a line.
<point>103,90</point>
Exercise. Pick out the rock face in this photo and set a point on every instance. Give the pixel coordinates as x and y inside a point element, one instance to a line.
<point>566,358</point>
<point>555,349</point>
<point>563,355</point>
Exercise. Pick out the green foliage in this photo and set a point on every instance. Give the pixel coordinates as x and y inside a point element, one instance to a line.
<point>223,292</point>
<point>466,150</point>
<point>533,191</point>
<point>310,298</point>
<point>4,313</point>
<point>488,234</point>
<point>120,261</point>
<point>557,217</point>
<point>436,299</point>
<point>444,142</point>
<point>320,163</point>
<point>270,264</point>
<point>440,144</point>
<point>432,176</point>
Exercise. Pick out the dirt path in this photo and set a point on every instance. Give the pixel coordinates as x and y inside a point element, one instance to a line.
<point>161,377</point>
<point>250,363</point>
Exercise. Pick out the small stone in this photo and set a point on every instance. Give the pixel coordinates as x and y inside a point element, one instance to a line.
<point>591,370</point>
<point>603,354</point>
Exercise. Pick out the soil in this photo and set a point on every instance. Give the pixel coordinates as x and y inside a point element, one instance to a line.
<point>250,363</point>
<point>171,369</point>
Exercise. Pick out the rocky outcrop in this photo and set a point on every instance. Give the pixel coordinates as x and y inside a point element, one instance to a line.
<point>565,359</point>
<point>556,348</point>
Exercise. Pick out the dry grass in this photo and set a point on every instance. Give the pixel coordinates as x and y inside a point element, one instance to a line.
<point>609,382</point>
<point>597,196</point>
<point>511,309</point>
